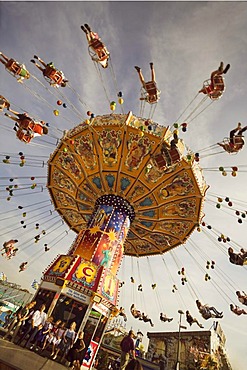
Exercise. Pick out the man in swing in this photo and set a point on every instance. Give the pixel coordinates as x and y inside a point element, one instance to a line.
<point>216,87</point>
<point>237,310</point>
<point>242,297</point>
<point>152,93</point>
<point>26,128</point>
<point>55,77</point>
<point>239,259</point>
<point>236,140</point>
<point>164,318</point>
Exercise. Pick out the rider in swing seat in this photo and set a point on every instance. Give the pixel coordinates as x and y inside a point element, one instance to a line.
<point>216,86</point>
<point>18,70</point>
<point>94,42</point>
<point>151,91</point>
<point>55,77</point>
<point>236,140</point>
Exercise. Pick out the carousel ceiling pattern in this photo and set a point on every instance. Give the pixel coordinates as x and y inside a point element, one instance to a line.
<point>122,154</point>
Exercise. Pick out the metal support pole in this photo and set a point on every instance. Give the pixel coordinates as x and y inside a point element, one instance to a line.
<point>178,349</point>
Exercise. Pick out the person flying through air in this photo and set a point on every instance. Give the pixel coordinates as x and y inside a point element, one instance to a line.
<point>237,310</point>
<point>242,297</point>
<point>151,94</point>
<point>52,75</point>
<point>4,103</point>
<point>239,259</point>
<point>101,54</point>
<point>17,69</point>
<point>26,128</point>
<point>215,88</point>
<point>235,142</point>
<point>208,312</point>
<point>191,320</point>
<point>9,249</point>
<point>164,318</point>
<point>22,266</point>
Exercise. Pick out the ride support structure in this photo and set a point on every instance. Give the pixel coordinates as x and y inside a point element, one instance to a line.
<point>116,182</point>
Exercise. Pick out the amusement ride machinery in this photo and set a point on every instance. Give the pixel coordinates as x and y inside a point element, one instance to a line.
<point>119,183</point>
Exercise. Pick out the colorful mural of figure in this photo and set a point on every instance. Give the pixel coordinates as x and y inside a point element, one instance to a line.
<point>117,258</point>
<point>61,265</point>
<point>107,253</point>
<point>109,286</point>
<point>65,199</point>
<point>161,239</point>
<point>180,185</point>
<point>68,162</point>
<point>63,181</point>
<point>176,227</point>
<point>87,244</point>
<point>185,208</point>
<point>84,147</point>
<point>103,252</point>
<point>138,148</point>
<point>113,234</point>
<point>110,141</point>
<point>101,218</point>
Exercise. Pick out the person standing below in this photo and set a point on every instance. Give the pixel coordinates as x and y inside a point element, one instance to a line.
<point>127,348</point>
<point>21,316</point>
<point>37,322</point>
<point>134,365</point>
<point>75,354</point>
<point>67,342</point>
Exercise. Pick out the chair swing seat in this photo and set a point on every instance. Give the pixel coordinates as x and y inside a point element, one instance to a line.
<point>23,137</point>
<point>99,53</point>
<point>236,146</point>
<point>150,93</point>
<point>25,124</point>
<point>174,154</point>
<point>13,67</point>
<point>219,83</point>
<point>53,75</point>
<point>160,161</point>
<point>96,44</point>
<point>215,91</point>
<point>151,88</point>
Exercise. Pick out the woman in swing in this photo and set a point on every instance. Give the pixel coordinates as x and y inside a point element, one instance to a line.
<point>18,70</point>
<point>55,77</point>
<point>94,42</point>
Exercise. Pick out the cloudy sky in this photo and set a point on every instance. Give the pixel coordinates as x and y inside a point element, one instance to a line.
<point>186,41</point>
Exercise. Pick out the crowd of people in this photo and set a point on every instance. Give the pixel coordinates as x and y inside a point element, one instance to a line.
<point>33,329</point>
